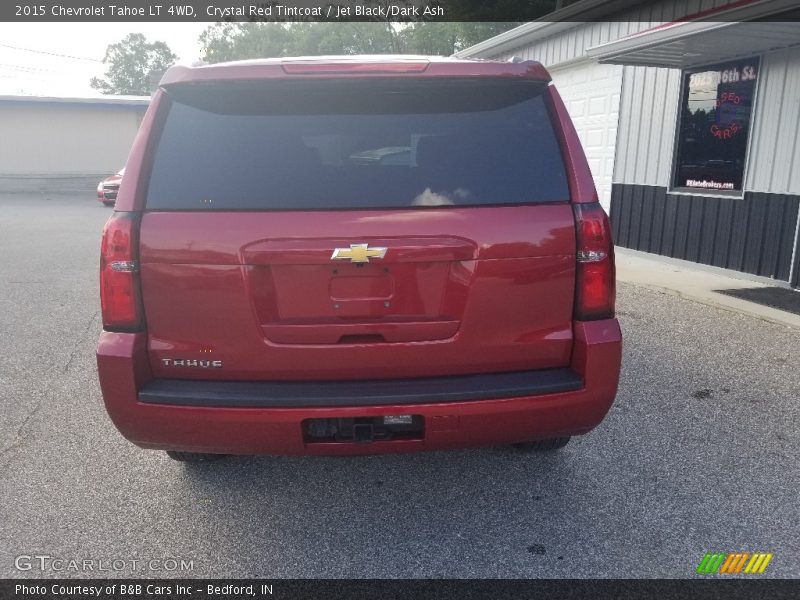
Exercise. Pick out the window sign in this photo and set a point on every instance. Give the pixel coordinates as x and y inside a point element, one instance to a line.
<point>716,112</point>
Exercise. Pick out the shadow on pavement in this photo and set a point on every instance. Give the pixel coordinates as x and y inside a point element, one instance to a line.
<point>775,297</point>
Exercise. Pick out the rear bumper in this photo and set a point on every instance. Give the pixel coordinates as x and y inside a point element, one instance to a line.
<point>153,415</point>
<point>334,394</point>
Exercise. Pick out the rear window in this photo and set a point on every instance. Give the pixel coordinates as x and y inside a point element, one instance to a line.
<point>331,144</point>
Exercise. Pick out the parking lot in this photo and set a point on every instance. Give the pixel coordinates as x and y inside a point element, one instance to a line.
<point>700,453</point>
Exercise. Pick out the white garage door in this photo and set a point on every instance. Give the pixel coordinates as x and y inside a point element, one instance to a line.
<point>591,93</point>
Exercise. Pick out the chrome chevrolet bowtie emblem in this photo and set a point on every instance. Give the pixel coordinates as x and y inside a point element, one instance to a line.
<point>358,253</point>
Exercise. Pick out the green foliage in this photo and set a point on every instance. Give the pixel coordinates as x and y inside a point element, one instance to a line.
<point>134,66</point>
<point>236,41</point>
<point>481,10</point>
<point>232,41</point>
<point>445,38</point>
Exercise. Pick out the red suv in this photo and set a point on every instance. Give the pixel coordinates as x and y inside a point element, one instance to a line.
<point>108,188</point>
<point>356,255</point>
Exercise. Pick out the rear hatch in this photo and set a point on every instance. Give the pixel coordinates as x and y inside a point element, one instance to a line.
<point>350,229</point>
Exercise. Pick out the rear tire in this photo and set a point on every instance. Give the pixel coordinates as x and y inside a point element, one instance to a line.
<point>542,445</point>
<point>109,203</point>
<point>193,457</point>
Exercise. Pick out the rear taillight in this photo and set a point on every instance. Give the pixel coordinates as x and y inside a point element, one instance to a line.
<point>595,289</point>
<point>120,296</point>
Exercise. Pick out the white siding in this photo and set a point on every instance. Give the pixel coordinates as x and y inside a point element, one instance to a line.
<point>649,109</point>
<point>591,95</point>
<point>638,147</point>
<point>573,43</point>
<point>51,140</point>
<point>648,97</point>
<point>649,116</point>
<point>774,158</point>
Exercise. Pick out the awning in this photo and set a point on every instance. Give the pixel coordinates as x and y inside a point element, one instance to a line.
<point>740,29</point>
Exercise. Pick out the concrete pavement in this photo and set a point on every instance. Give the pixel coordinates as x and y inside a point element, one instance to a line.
<point>699,453</point>
<point>699,283</point>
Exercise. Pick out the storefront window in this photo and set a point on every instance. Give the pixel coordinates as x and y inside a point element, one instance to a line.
<point>716,112</point>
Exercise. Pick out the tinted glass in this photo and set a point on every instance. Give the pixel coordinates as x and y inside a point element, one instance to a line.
<point>356,144</point>
<point>715,122</point>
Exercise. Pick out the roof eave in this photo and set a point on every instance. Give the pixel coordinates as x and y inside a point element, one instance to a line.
<point>551,24</point>
<point>624,50</point>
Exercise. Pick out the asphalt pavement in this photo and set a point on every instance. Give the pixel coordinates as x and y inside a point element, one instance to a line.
<point>700,453</point>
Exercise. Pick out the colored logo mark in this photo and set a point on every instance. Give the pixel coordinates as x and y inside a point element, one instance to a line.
<point>732,563</point>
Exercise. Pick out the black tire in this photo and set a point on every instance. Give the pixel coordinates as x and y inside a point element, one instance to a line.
<point>193,457</point>
<point>109,203</point>
<point>542,445</point>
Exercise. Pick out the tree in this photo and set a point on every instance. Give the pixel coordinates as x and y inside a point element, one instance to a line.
<point>445,38</point>
<point>236,41</point>
<point>134,66</point>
